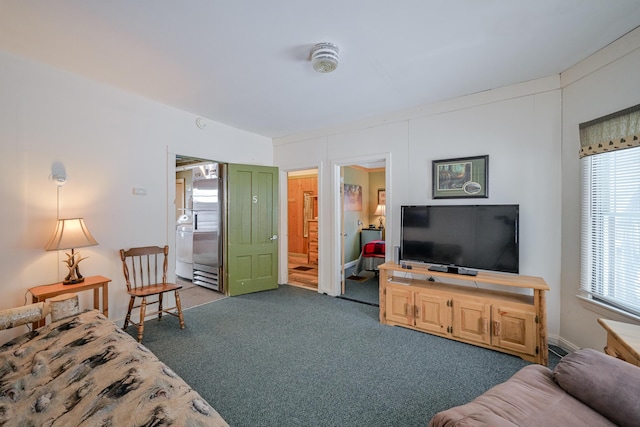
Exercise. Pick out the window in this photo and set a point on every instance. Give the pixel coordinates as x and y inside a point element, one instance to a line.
<point>610,229</point>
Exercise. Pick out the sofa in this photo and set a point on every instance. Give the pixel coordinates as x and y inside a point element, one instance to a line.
<point>84,370</point>
<point>586,388</point>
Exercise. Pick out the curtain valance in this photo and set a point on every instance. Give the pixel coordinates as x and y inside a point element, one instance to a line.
<point>615,131</point>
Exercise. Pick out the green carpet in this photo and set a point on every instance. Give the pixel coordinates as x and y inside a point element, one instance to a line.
<point>291,357</point>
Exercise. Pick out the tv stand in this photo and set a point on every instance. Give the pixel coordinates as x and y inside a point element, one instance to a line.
<point>435,302</point>
<point>453,270</point>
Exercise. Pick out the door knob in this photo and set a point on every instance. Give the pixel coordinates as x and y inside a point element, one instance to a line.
<point>274,237</point>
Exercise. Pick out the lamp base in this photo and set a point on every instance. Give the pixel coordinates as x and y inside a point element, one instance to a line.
<point>73,281</point>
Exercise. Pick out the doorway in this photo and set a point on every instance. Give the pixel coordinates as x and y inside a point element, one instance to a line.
<point>192,293</point>
<point>361,218</point>
<point>302,228</point>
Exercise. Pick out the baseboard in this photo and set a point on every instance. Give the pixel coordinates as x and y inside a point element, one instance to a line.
<point>563,344</point>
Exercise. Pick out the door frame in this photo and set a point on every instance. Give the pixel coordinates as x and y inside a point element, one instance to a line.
<point>170,178</point>
<point>336,212</point>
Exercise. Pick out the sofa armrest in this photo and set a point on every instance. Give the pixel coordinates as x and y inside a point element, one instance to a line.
<point>608,385</point>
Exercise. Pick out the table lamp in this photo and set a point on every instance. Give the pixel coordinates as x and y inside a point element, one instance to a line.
<point>380,211</point>
<point>71,233</point>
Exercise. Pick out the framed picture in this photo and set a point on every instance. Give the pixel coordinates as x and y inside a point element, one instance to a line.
<point>352,197</point>
<point>466,177</point>
<point>382,196</point>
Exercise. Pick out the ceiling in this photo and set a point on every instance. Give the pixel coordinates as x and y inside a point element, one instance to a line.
<point>246,63</point>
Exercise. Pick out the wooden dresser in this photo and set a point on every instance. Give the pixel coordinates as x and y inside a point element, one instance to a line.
<point>623,340</point>
<point>312,250</point>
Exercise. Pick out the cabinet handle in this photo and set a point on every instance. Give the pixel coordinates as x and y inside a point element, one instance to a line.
<point>417,311</point>
<point>496,328</point>
<point>485,325</point>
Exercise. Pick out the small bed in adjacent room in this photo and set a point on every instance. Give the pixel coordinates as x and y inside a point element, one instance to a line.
<point>371,257</point>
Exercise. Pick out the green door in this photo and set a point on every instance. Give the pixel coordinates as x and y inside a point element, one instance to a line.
<point>252,239</point>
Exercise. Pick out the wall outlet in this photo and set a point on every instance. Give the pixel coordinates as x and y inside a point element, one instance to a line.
<point>139,191</point>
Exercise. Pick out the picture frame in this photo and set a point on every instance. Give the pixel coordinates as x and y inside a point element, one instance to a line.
<point>461,178</point>
<point>382,196</point>
<point>352,197</point>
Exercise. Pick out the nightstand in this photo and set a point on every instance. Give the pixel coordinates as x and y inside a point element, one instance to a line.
<point>41,293</point>
<point>369,235</point>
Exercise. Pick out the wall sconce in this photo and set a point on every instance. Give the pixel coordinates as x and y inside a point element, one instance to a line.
<point>71,233</point>
<point>380,211</point>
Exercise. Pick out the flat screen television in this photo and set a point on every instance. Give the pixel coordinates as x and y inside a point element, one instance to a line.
<point>461,237</point>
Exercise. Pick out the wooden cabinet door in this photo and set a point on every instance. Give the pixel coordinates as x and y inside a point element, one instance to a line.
<point>432,313</point>
<point>400,305</point>
<point>514,329</point>
<point>471,320</point>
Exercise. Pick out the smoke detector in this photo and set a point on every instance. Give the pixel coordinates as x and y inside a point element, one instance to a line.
<point>324,57</point>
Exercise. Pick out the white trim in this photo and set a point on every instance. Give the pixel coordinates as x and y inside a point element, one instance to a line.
<point>620,48</point>
<point>606,310</point>
<point>170,178</point>
<point>487,97</point>
<point>565,345</point>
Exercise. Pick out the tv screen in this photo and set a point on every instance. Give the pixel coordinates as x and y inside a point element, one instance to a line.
<point>483,237</point>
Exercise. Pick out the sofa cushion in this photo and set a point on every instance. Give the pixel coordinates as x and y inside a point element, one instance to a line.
<point>606,384</point>
<point>529,398</point>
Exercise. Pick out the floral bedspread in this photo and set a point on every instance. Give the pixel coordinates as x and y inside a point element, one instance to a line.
<point>85,371</point>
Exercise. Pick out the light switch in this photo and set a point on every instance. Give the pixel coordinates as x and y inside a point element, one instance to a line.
<point>139,191</point>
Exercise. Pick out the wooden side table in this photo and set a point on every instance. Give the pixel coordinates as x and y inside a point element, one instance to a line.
<point>41,293</point>
<point>623,340</point>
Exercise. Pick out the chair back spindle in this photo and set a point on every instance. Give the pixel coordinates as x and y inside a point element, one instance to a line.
<point>144,266</point>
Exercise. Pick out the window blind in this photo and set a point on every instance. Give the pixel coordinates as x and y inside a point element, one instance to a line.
<point>610,230</point>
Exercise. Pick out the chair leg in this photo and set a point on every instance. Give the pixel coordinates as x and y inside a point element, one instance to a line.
<point>179,307</point>
<point>128,318</point>
<point>143,308</point>
<point>160,306</point>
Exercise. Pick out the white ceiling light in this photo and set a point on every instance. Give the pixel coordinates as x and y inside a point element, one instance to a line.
<point>324,57</point>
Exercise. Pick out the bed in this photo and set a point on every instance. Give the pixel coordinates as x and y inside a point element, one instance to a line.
<point>372,255</point>
<point>84,370</point>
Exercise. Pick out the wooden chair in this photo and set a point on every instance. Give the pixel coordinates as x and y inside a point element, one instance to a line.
<point>145,271</point>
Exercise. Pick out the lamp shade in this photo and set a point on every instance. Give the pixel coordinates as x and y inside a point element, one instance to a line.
<point>70,233</point>
<point>380,210</point>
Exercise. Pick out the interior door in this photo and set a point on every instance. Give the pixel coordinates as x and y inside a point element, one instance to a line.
<point>252,247</point>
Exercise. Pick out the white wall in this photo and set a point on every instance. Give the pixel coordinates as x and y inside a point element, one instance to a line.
<point>606,82</point>
<point>518,127</point>
<point>109,142</point>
